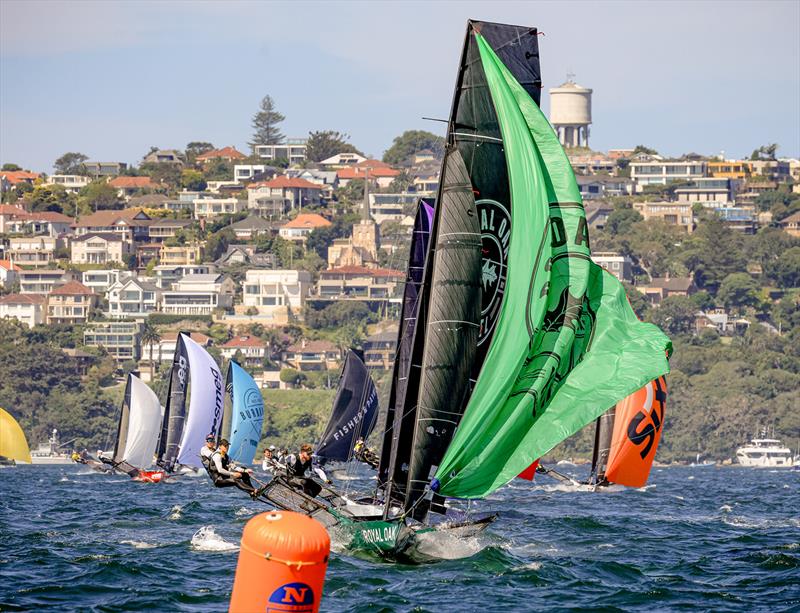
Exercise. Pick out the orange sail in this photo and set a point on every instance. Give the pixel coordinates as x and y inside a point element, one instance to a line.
<point>637,429</point>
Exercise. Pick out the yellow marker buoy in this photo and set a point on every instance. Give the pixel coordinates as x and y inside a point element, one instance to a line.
<point>282,564</point>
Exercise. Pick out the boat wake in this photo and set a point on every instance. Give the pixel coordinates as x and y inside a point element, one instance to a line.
<point>139,544</point>
<point>442,545</point>
<point>205,539</point>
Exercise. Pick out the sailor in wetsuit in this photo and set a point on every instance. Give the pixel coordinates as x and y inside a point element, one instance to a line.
<point>297,466</point>
<point>226,474</point>
<point>207,451</point>
<point>269,464</point>
<point>365,454</point>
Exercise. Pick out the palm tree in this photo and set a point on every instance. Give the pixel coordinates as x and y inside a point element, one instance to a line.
<point>150,336</point>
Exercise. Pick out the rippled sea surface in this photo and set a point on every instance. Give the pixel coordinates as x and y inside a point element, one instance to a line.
<point>705,539</point>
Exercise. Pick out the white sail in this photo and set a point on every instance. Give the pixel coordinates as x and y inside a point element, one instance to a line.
<point>144,424</point>
<point>206,393</point>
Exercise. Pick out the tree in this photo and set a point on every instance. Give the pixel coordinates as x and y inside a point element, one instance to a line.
<point>150,336</point>
<point>327,143</point>
<point>196,148</point>
<point>410,142</point>
<point>162,173</point>
<point>51,198</point>
<point>265,124</point>
<point>675,315</point>
<point>644,149</point>
<point>193,180</point>
<point>292,376</point>
<point>765,152</point>
<point>321,238</point>
<point>621,219</point>
<point>98,195</point>
<point>11,167</point>
<point>71,164</point>
<point>785,271</point>
<point>637,301</point>
<point>713,252</point>
<point>738,290</point>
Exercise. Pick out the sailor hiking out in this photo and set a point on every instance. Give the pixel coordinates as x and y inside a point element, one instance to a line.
<point>224,473</point>
<point>297,468</point>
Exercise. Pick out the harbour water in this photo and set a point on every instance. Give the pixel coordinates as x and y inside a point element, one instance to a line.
<point>721,539</point>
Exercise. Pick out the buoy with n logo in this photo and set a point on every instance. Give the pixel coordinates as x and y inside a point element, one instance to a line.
<point>282,564</point>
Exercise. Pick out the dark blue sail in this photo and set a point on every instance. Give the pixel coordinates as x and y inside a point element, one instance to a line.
<point>354,411</point>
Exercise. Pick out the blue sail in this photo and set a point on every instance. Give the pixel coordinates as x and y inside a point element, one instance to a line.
<point>247,414</point>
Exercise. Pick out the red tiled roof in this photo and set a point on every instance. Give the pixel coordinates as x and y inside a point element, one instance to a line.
<point>363,270</point>
<point>245,341</point>
<point>9,209</point>
<point>225,152</point>
<point>23,299</point>
<point>312,347</point>
<point>284,181</point>
<point>131,182</point>
<point>17,176</point>
<point>307,220</point>
<point>794,218</point>
<point>73,288</point>
<point>8,265</point>
<point>353,172</point>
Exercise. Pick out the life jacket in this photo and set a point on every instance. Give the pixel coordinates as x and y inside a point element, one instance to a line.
<point>299,468</point>
<point>212,466</point>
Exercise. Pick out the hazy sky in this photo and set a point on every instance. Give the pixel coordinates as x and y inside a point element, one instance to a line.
<point>110,79</point>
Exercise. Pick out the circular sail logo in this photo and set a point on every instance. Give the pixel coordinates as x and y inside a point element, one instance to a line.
<point>495,223</point>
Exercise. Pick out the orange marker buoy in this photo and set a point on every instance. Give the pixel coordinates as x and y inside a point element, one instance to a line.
<point>282,564</point>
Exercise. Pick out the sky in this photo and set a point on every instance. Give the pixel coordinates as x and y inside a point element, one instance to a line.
<point>111,79</point>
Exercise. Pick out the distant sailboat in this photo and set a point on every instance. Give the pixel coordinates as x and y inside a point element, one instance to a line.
<point>13,445</point>
<point>354,412</point>
<point>194,374</point>
<point>138,431</point>
<point>243,415</point>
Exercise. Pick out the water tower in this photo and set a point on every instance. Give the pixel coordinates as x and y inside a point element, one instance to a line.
<point>571,113</point>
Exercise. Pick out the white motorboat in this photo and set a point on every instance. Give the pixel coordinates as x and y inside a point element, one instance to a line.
<point>765,453</point>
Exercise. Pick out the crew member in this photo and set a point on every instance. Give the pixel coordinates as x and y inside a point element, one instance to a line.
<point>226,474</point>
<point>365,454</point>
<point>297,466</point>
<point>270,463</point>
<point>207,451</point>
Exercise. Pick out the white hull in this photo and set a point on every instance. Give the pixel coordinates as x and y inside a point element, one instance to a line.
<point>764,453</point>
<point>51,460</point>
<point>765,462</point>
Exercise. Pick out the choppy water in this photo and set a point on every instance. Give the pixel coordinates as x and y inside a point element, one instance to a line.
<point>703,539</point>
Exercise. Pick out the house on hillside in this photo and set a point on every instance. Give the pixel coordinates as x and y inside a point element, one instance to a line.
<point>275,292</point>
<point>226,154</point>
<point>105,169</point>
<point>130,297</point>
<point>293,150</point>
<point>301,226</point>
<point>71,183</point>
<point>199,295</point>
<point>8,214</point>
<point>133,224</point>
<point>100,280</point>
<point>42,280</point>
<point>360,283</point>
<point>50,223</point>
<point>791,224</point>
<point>286,191</point>
<point>382,175</point>
<point>664,287</point>
<point>128,186</point>
<point>70,304</point>
<point>164,156</point>
<point>340,160</point>
<point>180,255</point>
<point>160,230</point>
<point>312,355</point>
<point>380,349</point>
<point>246,254</point>
<point>250,227</point>
<point>621,266</point>
<point>100,248</point>
<point>675,213</point>
<point>120,338</point>
<point>164,349</point>
<point>252,348</point>
<point>207,208</point>
<point>33,250</point>
<point>166,275</point>
<point>27,308</point>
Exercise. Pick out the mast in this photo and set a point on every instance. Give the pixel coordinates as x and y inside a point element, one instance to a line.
<point>175,412</point>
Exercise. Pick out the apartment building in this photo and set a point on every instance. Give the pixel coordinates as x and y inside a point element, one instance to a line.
<point>293,150</point>
<point>33,250</point>
<point>199,295</point>
<point>130,297</point>
<point>662,173</point>
<point>675,213</point>
<point>358,282</point>
<point>180,255</point>
<point>42,281</point>
<point>272,291</point>
<point>207,208</point>
<point>120,339</point>
<point>100,280</point>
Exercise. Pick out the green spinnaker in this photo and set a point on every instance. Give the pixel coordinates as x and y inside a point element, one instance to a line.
<point>567,345</point>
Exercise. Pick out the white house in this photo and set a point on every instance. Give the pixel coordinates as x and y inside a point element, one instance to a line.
<point>199,295</point>
<point>32,250</point>
<point>621,266</point>
<point>292,150</point>
<point>270,291</point>
<point>252,348</point>
<point>285,192</point>
<point>301,226</point>
<point>132,297</point>
<point>205,208</point>
<point>100,280</point>
<point>164,349</point>
<point>27,308</point>
<point>42,280</point>
<point>245,172</point>
<point>100,248</point>
<point>71,183</point>
<point>343,159</point>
